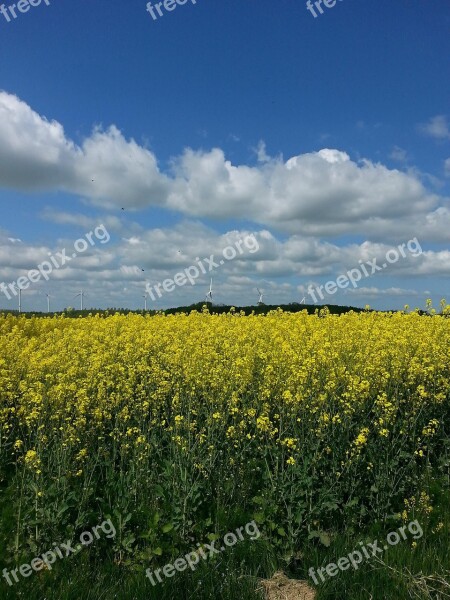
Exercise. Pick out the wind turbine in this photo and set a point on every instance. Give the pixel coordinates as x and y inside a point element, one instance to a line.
<point>209,294</point>
<point>20,299</point>
<point>261,295</point>
<point>82,295</point>
<point>145,296</point>
<point>48,301</point>
<point>303,301</point>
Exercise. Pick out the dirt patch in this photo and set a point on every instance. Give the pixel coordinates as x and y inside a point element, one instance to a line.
<point>281,587</point>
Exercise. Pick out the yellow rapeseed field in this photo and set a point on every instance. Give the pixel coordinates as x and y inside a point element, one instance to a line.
<point>170,423</point>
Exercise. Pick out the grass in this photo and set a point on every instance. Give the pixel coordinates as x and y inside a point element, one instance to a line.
<point>235,574</point>
<point>400,573</point>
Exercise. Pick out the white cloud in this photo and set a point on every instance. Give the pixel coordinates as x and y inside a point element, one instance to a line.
<point>447,167</point>
<point>261,153</point>
<point>133,241</point>
<point>399,154</point>
<point>375,292</point>
<point>162,252</point>
<point>34,152</point>
<point>316,194</point>
<point>277,268</point>
<point>36,155</point>
<point>437,127</point>
<point>322,193</point>
<point>65,218</point>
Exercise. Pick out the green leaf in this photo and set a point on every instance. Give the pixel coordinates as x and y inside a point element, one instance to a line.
<point>325,538</point>
<point>352,502</point>
<point>258,500</point>
<point>62,510</point>
<point>167,527</point>
<point>159,491</point>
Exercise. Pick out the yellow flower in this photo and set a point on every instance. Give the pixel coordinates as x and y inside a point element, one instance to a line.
<point>81,454</point>
<point>263,423</point>
<point>231,431</point>
<point>32,461</point>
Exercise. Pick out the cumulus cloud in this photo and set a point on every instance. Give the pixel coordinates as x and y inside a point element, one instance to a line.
<point>34,152</point>
<point>322,193</point>
<point>161,252</point>
<point>112,273</point>
<point>35,155</point>
<point>315,194</point>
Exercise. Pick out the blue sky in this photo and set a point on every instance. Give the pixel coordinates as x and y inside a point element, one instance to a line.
<point>326,138</point>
